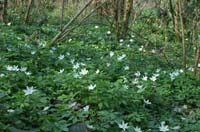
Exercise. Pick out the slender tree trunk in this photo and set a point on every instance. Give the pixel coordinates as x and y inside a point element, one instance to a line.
<point>27,14</point>
<point>116,14</point>
<point>127,11</point>
<point>3,10</point>
<point>172,13</point>
<point>197,58</point>
<point>176,19</point>
<point>62,14</point>
<point>182,35</point>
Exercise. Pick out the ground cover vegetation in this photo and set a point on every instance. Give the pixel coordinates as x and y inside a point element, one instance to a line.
<point>93,77</point>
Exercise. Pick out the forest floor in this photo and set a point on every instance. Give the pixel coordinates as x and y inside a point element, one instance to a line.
<point>85,80</point>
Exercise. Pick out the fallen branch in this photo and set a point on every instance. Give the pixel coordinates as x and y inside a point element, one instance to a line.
<point>80,22</point>
<point>60,33</point>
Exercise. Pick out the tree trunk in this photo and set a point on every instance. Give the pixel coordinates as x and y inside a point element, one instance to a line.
<point>182,36</point>
<point>197,58</point>
<point>62,14</point>
<point>125,23</point>
<point>3,10</point>
<point>27,15</point>
<point>116,14</point>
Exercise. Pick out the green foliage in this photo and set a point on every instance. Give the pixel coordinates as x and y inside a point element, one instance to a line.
<point>83,83</point>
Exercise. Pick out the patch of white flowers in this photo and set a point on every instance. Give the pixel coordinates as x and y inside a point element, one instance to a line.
<point>174,74</point>
<point>17,69</point>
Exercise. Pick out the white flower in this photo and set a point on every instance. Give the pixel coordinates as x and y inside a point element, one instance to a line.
<point>174,74</point>
<point>176,127</point>
<point>139,86</point>
<point>11,111</point>
<point>135,81</point>
<point>158,70</point>
<point>108,64</point>
<point>29,90</point>
<point>68,53</point>
<point>163,127</point>
<point>121,57</point>
<point>199,65</point>
<point>53,48</point>
<point>9,23</point>
<point>156,75</point>
<point>147,102</point>
<point>181,70</point>
<point>108,32</point>
<point>83,64</point>
<point>97,71</point>
<point>132,36</point>
<point>33,52</point>
<point>70,40</point>
<point>90,126</point>
<point>191,69</point>
<point>137,74</point>
<point>46,108</point>
<point>76,75</point>
<point>83,71</point>
<point>61,70</point>
<point>86,108</point>
<point>12,68</point>
<point>96,26</point>
<point>141,48</point>
<point>131,40</point>
<point>123,126</point>
<point>28,73</point>
<point>61,57</point>
<point>153,51</point>
<point>72,104</point>
<point>111,54</point>
<point>2,75</point>
<point>137,129</point>
<point>92,87</point>
<point>125,86</point>
<point>126,68</point>
<point>121,40</point>
<point>23,69</point>
<point>76,66</point>
<point>145,78</point>
<point>153,78</point>
<point>72,61</point>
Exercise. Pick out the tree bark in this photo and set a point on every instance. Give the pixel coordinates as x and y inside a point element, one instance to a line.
<point>182,36</point>
<point>3,10</point>
<point>127,11</point>
<point>197,58</point>
<point>27,14</point>
<point>62,14</point>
